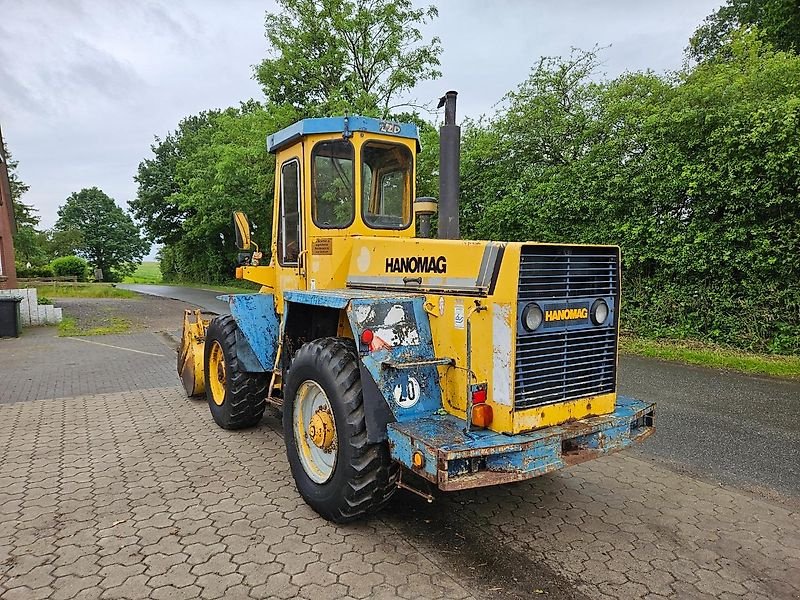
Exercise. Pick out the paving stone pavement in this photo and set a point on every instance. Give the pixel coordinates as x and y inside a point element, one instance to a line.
<point>137,494</point>
<point>41,365</point>
<point>621,527</point>
<point>114,485</point>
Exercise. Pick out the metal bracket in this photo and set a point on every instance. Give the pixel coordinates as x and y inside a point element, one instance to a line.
<point>413,364</point>
<point>401,484</point>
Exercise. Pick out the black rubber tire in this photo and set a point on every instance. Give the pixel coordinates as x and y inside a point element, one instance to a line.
<point>364,476</point>
<point>245,393</point>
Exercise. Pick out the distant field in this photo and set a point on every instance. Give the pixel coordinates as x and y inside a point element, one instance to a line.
<point>148,272</point>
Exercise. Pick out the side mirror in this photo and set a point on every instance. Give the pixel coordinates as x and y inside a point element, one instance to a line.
<point>242,226</point>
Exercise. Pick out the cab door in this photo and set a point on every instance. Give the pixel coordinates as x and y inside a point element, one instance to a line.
<point>290,251</point>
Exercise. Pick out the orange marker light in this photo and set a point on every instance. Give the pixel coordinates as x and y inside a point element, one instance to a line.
<point>418,459</point>
<point>482,415</point>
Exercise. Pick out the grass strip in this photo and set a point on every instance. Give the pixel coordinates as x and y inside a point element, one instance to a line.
<point>717,357</point>
<point>69,327</point>
<point>82,290</point>
<point>147,272</point>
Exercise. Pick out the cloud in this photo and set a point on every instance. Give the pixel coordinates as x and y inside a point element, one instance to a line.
<point>86,85</point>
<point>51,64</point>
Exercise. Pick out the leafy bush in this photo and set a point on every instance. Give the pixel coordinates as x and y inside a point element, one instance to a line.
<point>67,266</point>
<point>113,276</point>
<point>694,177</point>
<point>33,272</point>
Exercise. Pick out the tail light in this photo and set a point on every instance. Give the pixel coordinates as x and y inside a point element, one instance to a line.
<point>479,395</point>
<point>481,412</point>
<point>482,415</point>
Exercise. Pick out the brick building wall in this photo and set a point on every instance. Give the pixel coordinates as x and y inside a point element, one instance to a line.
<point>8,272</point>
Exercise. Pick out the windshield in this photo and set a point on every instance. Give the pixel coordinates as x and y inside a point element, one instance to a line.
<point>333,198</point>
<point>386,185</point>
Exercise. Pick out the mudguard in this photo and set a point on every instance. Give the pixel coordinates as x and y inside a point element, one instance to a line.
<point>259,330</point>
<point>377,414</point>
<point>399,370</point>
<point>399,357</point>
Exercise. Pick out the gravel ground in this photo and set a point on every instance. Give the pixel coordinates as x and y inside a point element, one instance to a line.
<point>144,313</point>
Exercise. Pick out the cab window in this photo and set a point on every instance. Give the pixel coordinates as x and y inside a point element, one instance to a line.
<point>386,185</point>
<point>289,231</point>
<point>332,190</point>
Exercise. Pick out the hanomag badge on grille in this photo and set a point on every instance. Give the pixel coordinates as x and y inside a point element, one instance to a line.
<point>561,314</point>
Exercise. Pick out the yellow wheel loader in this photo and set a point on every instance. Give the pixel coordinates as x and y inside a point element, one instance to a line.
<point>467,363</point>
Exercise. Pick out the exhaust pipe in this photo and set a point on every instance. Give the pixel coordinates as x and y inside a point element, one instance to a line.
<point>449,165</point>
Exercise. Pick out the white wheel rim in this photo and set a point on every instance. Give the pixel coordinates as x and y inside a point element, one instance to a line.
<point>317,462</point>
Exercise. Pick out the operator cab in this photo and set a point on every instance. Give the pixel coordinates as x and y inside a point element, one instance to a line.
<point>342,176</point>
<point>336,179</point>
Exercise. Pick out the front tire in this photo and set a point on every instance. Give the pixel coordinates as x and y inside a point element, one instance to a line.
<point>236,398</point>
<point>337,471</point>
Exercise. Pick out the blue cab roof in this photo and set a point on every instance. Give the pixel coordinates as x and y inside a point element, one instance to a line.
<point>344,125</point>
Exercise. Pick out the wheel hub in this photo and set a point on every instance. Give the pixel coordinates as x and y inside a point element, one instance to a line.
<point>315,431</point>
<point>216,373</point>
<point>322,430</point>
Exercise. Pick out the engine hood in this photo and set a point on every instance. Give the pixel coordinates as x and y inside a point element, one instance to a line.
<point>425,265</point>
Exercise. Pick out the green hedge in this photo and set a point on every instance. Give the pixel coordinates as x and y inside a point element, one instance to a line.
<point>71,266</point>
<point>33,272</point>
<point>696,178</point>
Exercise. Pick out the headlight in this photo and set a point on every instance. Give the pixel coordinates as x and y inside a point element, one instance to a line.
<point>599,312</point>
<point>532,317</point>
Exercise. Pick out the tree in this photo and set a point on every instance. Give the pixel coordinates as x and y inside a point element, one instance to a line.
<point>62,243</point>
<point>30,247</point>
<point>154,206</point>
<point>213,164</point>
<point>109,239</point>
<point>28,241</point>
<point>328,57</point>
<point>777,20</point>
<point>157,204</point>
<point>338,56</point>
<point>695,176</point>
<point>512,165</point>
<point>24,214</point>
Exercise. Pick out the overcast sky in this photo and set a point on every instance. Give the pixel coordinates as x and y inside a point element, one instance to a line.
<point>86,84</point>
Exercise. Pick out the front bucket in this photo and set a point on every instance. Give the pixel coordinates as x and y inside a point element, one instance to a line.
<point>190,355</point>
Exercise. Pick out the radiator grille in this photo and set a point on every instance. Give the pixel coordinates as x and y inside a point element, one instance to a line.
<point>567,273</point>
<point>571,363</point>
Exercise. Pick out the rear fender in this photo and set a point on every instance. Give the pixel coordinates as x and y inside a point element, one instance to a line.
<point>258,330</point>
<point>398,379</point>
<point>400,360</point>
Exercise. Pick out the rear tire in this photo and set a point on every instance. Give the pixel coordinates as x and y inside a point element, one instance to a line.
<point>360,477</point>
<point>236,398</point>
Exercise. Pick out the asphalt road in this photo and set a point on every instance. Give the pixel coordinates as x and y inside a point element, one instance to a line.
<point>738,429</point>
<point>205,299</point>
<point>735,429</point>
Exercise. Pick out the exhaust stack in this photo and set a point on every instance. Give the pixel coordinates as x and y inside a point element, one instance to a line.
<point>449,165</point>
